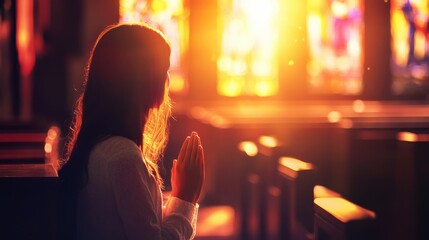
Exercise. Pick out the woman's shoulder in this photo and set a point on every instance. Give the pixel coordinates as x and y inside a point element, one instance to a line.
<point>121,157</point>
<point>118,142</point>
<point>117,148</point>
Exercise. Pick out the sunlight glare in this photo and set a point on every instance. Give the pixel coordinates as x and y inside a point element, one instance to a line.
<point>247,63</point>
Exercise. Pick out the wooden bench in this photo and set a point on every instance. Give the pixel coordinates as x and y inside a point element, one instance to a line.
<point>412,186</point>
<point>340,219</point>
<point>297,180</point>
<point>270,148</point>
<point>363,157</point>
<point>261,201</point>
<point>260,192</point>
<point>251,203</point>
<point>28,201</point>
<point>320,191</point>
<point>30,146</point>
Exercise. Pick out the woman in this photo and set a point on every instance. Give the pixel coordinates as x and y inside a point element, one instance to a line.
<point>111,178</point>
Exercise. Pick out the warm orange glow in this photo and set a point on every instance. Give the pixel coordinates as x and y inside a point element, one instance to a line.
<point>399,37</point>
<point>209,117</point>
<point>177,83</point>
<point>295,164</point>
<point>171,17</point>
<point>199,113</point>
<point>215,221</point>
<point>320,191</point>
<point>274,191</point>
<point>253,178</point>
<point>413,137</point>
<point>344,210</point>
<point>264,89</point>
<point>249,148</point>
<point>407,137</point>
<point>346,123</point>
<point>335,35</point>
<point>26,53</point>
<point>247,64</point>
<point>268,141</point>
<point>358,106</point>
<point>232,87</point>
<point>48,148</point>
<point>25,36</point>
<point>53,133</point>
<point>218,121</point>
<point>334,116</point>
<point>52,146</point>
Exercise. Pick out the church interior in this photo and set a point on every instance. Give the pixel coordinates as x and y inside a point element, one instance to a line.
<point>313,114</point>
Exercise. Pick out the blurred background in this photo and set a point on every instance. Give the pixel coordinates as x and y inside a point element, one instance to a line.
<point>338,85</point>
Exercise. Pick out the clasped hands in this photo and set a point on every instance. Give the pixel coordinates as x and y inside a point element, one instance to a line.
<point>187,173</point>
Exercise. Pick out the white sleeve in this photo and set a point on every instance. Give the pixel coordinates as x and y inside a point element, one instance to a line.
<point>135,205</point>
<point>178,207</point>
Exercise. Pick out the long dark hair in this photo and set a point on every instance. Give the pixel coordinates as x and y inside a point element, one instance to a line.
<point>125,94</point>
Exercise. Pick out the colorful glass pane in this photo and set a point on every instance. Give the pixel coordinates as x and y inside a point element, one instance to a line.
<point>247,64</point>
<point>410,45</point>
<point>335,33</point>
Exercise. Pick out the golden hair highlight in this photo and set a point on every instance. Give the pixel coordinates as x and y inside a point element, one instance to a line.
<point>155,136</point>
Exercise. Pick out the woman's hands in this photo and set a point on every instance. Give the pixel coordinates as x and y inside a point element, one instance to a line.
<point>187,173</point>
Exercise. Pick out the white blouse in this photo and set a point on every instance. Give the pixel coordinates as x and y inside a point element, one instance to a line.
<point>122,201</point>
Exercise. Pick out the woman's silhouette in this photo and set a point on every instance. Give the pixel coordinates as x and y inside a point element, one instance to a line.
<point>111,182</point>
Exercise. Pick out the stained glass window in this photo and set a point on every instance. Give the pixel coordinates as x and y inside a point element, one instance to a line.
<point>247,64</point>
<point>172,18</point>
<point>410,45</point>
<point>335,33</point>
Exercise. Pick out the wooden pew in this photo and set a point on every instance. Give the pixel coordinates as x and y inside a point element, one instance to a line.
<point>412,186</point>
<point>320,191</point>
<point>297,180</point>
<point>273,217</point>
<point>251,203</point>
<point>297,195</point>
<point>340,219</point>
<point>22,148</point>
<point>363,156</point>
<point>261,198</point>
<point>270,148</point>
<point>28,201</point>
<point>29,146</point>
